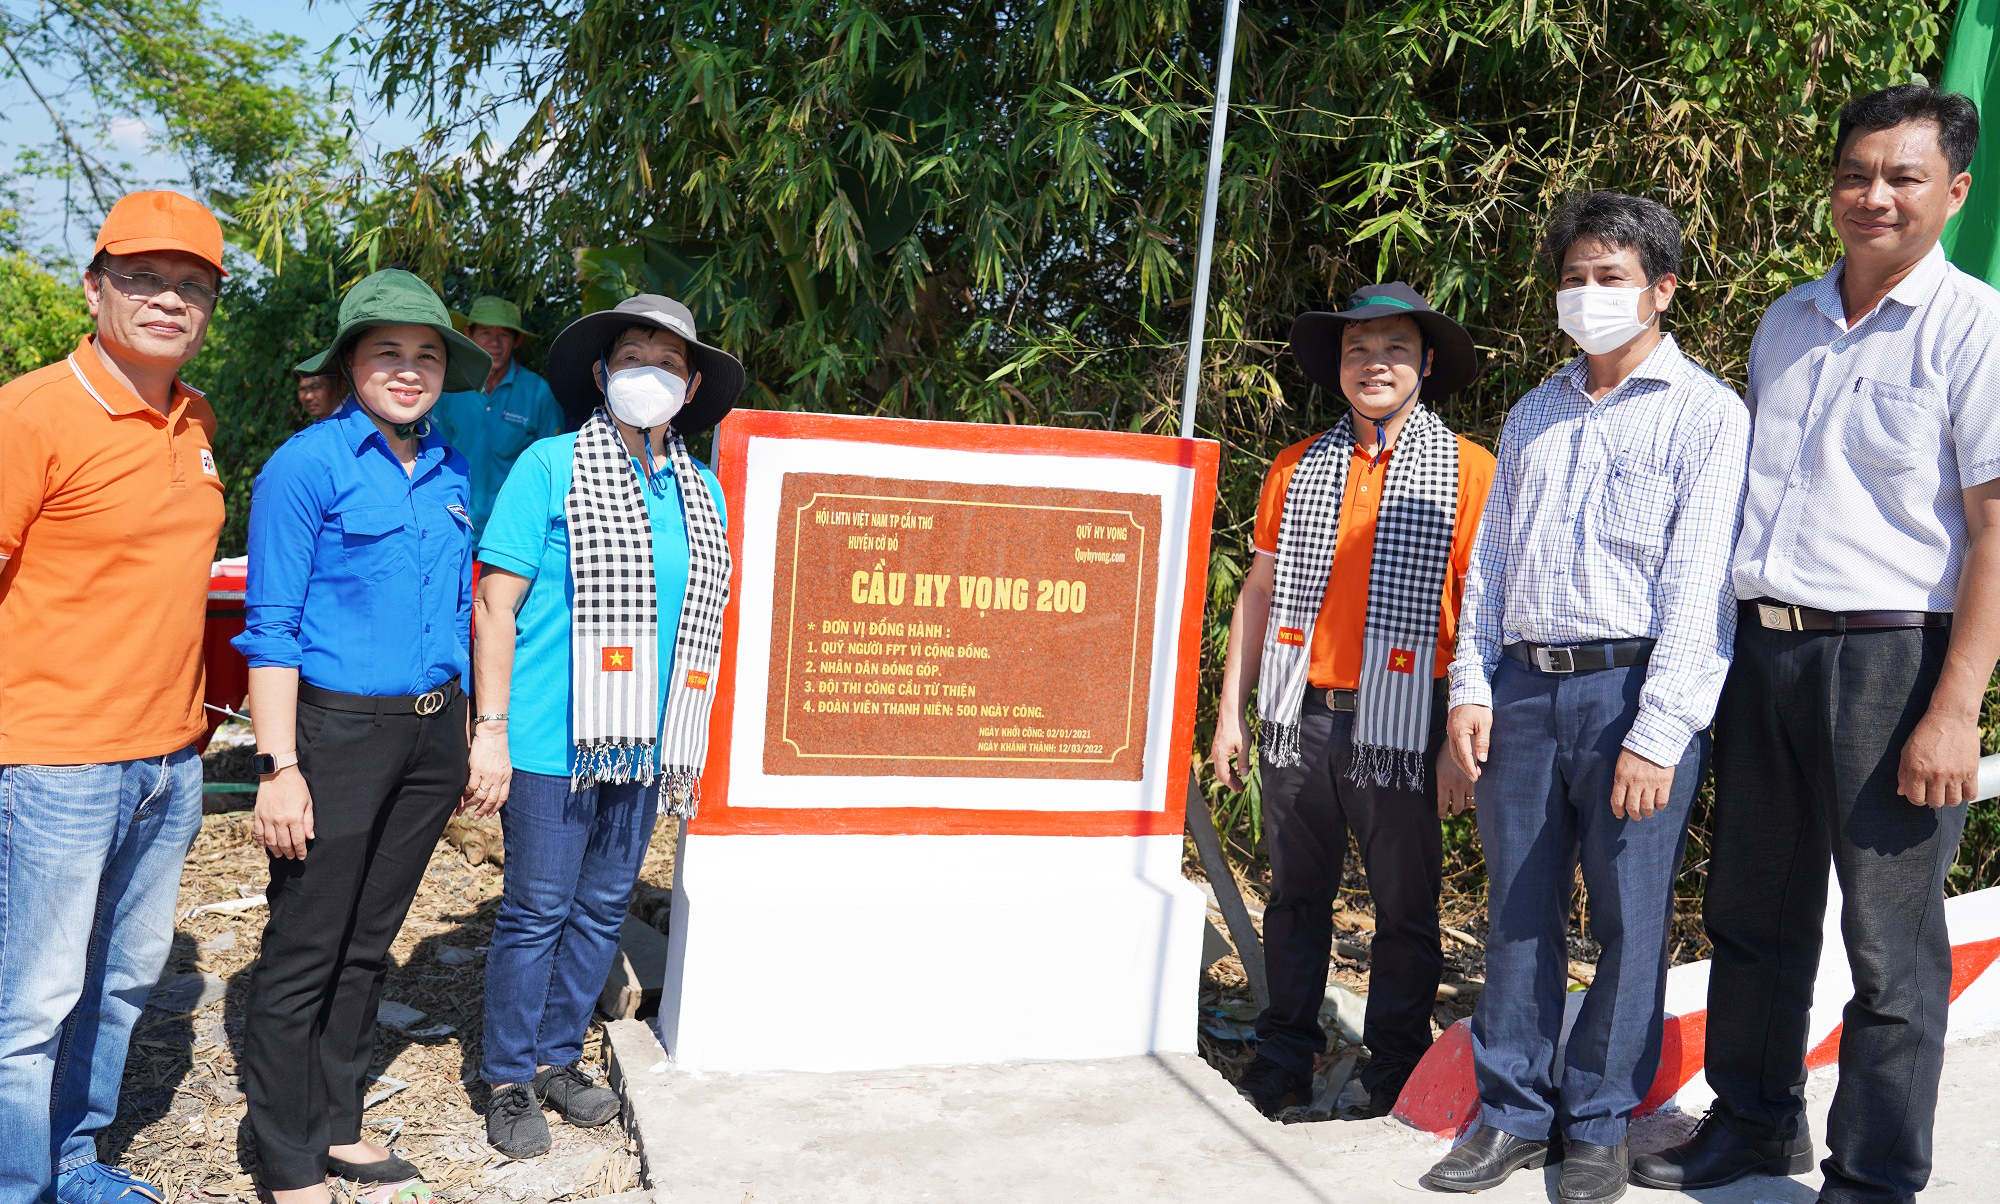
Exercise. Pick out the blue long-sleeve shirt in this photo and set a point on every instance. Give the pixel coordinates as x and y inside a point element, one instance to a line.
<point>359,574</point>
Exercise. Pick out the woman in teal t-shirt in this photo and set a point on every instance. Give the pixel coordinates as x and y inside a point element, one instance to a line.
<point>599,623</point>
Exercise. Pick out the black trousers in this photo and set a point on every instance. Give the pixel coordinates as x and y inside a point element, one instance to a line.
<point>382,788</point>
<point>1809,734</point>
<point>1308,810</point>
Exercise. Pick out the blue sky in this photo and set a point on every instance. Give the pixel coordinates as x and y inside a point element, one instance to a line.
<point>321,24</point>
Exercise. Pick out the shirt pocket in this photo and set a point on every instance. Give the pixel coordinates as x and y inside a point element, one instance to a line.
<point>447,543</point>
<point>372,543</point>
<point>1638,506</point>
<point>1892,426</point>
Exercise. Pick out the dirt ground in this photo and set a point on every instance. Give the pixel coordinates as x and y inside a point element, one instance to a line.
<point>181,1118</point>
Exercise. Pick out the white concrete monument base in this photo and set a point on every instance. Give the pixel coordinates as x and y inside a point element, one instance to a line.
<point>866,952</point>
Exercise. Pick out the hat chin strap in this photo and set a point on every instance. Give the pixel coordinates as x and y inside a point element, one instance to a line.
<point>404,430</point>
<point>1382,423</point>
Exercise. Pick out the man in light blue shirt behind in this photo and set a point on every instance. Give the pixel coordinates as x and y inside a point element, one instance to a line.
<point>1592,644</point>
<point>491,426</point>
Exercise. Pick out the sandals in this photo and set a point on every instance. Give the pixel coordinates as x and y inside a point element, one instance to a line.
<point>406,1191</point>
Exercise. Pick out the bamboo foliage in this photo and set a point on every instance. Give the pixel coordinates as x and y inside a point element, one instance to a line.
<point>986,209</point>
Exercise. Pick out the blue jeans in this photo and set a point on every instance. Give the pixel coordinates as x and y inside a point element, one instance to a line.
<point>90,868</point>
<point>1544,809</point>
<point>572,860</point>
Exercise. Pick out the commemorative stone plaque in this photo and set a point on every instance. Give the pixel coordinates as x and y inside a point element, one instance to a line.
<point>942,629</point>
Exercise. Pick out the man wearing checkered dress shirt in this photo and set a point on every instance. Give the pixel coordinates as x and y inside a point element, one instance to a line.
<point>1592,645</point>
<point>1869,574</point>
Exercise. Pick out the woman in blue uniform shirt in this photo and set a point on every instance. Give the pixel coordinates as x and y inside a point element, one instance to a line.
<point>358,615</point>
<point>600,615</point>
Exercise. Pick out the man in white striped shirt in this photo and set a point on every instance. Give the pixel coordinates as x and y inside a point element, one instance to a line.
<point>1869,573</point>
<point>1594,639</point>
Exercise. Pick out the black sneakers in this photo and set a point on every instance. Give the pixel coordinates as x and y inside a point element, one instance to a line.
<point>1273,1088</point>
<point>576,1096</point>
<point>514,1122</point>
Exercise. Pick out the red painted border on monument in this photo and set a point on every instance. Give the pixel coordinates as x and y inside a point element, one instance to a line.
<point>732,446</point>
<point>1443,1098</point>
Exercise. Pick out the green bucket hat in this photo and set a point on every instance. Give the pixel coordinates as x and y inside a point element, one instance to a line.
<point>394,297</point>
<point>492,311</point>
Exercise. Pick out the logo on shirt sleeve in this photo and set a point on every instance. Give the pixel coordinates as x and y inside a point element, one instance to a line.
<point>1402,660</point>
<point>1292,636</point>
<point>208,461</point>
<point>616,660</point>
<point>697,680</point>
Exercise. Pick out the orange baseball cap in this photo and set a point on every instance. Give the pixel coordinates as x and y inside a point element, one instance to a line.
<point>161,221</point>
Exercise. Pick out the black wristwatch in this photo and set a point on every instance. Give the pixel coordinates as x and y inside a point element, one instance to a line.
<point>265,764</point>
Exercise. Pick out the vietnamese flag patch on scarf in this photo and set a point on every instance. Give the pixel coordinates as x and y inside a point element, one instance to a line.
<point>1406,576</point>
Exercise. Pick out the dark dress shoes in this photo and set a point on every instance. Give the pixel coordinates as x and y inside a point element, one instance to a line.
<point>1593,1174</point>
<point>1272,1088</point>
<point>1484,1160</point>
<point>1715,1154</point>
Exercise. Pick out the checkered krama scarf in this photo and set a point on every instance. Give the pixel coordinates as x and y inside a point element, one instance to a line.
<point>1406,577</point>
<point>614,633</point>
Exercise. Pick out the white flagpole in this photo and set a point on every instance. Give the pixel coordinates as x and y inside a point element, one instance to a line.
<point>1217,130</point>
<point>1214,859</point>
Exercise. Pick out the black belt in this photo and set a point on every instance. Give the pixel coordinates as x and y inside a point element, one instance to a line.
<point>370,704</point>
<point>1783,616</point>
<point>1580,658</point>
<point>1332,700</point>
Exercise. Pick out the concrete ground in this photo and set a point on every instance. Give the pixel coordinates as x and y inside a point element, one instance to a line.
<point>1140,1129</point>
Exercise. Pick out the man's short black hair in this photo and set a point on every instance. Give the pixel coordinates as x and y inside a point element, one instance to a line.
<point>1621,220</point>
<point>1956,119</point>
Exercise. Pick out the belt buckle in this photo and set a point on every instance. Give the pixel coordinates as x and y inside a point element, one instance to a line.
<point>1779,618</point>
<point>1555,660</point>
<point>431,703</point>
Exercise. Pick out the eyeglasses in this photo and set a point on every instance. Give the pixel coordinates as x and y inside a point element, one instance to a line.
<point>144,286</point>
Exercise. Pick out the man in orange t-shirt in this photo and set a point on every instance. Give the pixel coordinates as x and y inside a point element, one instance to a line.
<point>1346,625</point>
<point>110,504</point>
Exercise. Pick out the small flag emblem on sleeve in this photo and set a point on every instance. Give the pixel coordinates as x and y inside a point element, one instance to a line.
<point>1402,660</point>
<point>616,660</point>
<point>1292,636</point>
<point>697,680</point>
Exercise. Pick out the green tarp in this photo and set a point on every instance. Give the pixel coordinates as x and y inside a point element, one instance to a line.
<point>1972,66</point>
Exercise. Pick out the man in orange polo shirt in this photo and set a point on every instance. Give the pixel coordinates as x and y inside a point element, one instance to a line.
<point>110,504</point>
<point>1346,625</point>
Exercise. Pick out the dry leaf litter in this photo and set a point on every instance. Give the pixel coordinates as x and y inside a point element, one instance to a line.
<point>181,1117</point>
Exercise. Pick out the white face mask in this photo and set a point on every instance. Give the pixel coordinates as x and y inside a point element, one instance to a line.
<point>646,397</point>
<point>1599,317</point>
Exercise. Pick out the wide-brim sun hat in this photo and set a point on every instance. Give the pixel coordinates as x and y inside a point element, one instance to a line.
<point>492,311</point>
<point>394,297</point>
<point>1316,336</point>
<point>584,342</point>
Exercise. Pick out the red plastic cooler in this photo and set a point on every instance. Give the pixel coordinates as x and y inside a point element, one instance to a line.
<point>228,672</point>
